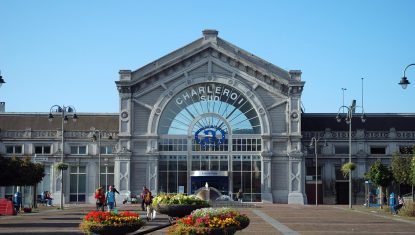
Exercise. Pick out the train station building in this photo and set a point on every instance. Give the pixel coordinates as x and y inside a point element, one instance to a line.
<point>207,114</point>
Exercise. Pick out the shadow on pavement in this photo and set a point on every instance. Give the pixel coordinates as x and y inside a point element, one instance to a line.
<point>40,225</point>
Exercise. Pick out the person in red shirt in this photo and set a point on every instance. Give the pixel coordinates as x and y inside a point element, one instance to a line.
<point>100,196</point>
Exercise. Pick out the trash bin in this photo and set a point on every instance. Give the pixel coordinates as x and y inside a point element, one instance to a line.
<point>392,203</point>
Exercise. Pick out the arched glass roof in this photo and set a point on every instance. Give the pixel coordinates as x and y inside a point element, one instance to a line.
<point>209,104</point>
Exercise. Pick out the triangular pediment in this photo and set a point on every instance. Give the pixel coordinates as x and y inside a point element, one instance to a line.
<point>209,48</point>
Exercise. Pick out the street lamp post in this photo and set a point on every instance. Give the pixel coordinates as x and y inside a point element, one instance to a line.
<point>65,112</point>
<point>349,116</point>
<point>97,136</point>
<point>404,80</point>
<point>315,141</point>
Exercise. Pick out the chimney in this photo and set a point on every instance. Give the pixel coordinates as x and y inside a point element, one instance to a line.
<point>2,107</point>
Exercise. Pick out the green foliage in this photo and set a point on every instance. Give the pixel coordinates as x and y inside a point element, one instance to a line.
<point>408,209</point>
<point>401,168</point>
<point>15,171</point>
<point>61,166</point>
<point>379,174</point>
<point>179,199</point>
<point>347,168</point>
<point>412,172</point>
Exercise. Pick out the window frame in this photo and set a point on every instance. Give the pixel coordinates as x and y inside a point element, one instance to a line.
<point>43,146</point>
<point>14,146</point>
<point>78,152</point>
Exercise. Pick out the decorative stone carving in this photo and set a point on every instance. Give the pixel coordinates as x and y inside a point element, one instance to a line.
<point>392,133</point>
<point>124,115</point>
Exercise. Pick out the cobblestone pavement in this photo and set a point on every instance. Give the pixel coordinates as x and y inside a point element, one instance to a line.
<point>265,219</point>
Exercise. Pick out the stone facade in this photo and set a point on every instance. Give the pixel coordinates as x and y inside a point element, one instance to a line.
<point>207,112</point>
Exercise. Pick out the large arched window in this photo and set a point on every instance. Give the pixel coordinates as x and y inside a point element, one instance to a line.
<point>209,105</point>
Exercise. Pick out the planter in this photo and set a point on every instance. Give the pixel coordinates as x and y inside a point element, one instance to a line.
<point>114,230</point>
<point>211,221</point>
<point>219,231</point>
<point>244,223</point>
<point>99,222</point>
<point>177,210</point>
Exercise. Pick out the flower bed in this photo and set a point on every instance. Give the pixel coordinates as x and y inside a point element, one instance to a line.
<point>210,221</point>
<point>177,205</point>
<point>98,222</point>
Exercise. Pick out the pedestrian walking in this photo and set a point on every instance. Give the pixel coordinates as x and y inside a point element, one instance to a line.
<point>115,191</point>
<point>17,201</point>
<point>110,198</point>
<point>240,195</point>
<point>142,195</point>
<point>100,198</point>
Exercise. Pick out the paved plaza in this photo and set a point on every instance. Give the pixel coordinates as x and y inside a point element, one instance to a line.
<point>265,219</point>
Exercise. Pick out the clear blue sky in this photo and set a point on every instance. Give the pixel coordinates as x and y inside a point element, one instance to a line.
<point>70,52</point>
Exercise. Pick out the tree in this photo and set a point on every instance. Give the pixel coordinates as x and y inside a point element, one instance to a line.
<point>412,175</point>
<point>380,175</point>
<point>401,168</point>
<point>18,172</point>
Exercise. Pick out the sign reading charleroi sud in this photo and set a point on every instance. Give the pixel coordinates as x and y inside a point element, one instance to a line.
<point>211,91</point>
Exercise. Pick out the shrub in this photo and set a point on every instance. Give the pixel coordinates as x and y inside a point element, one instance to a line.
<point>180,199</point>
<point>408,209</point>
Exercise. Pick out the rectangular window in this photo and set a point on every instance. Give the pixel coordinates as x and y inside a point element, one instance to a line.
<point>78,150</point>
<point>77,187</point>
<point>14,149</point>
<point>341,149</point>
<point>173,145</point>
<point>246,145</point>
<point>42,149</point>
<point>377,150</point>
<point>107,149</point>
<point>44,185</point>
<point>223,163</point>
<point>173,172</point>
<point>107,176</point>
<point>195,163</point>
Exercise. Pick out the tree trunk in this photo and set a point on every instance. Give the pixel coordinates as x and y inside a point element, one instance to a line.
<point>34,196</point>
<point>380,195</point>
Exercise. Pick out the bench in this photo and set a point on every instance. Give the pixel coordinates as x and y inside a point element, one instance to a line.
<point>41,200</point>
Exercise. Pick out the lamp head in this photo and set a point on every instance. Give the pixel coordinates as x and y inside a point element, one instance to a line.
<point>311,143</point>
<point>74,117</point>
<point>65,119</point>
<point>1,80</point>
<point>50,117</point>
<point>363,118</point>
<point>348,120</point>
<point>404,82</point>
<point>338,118</point>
